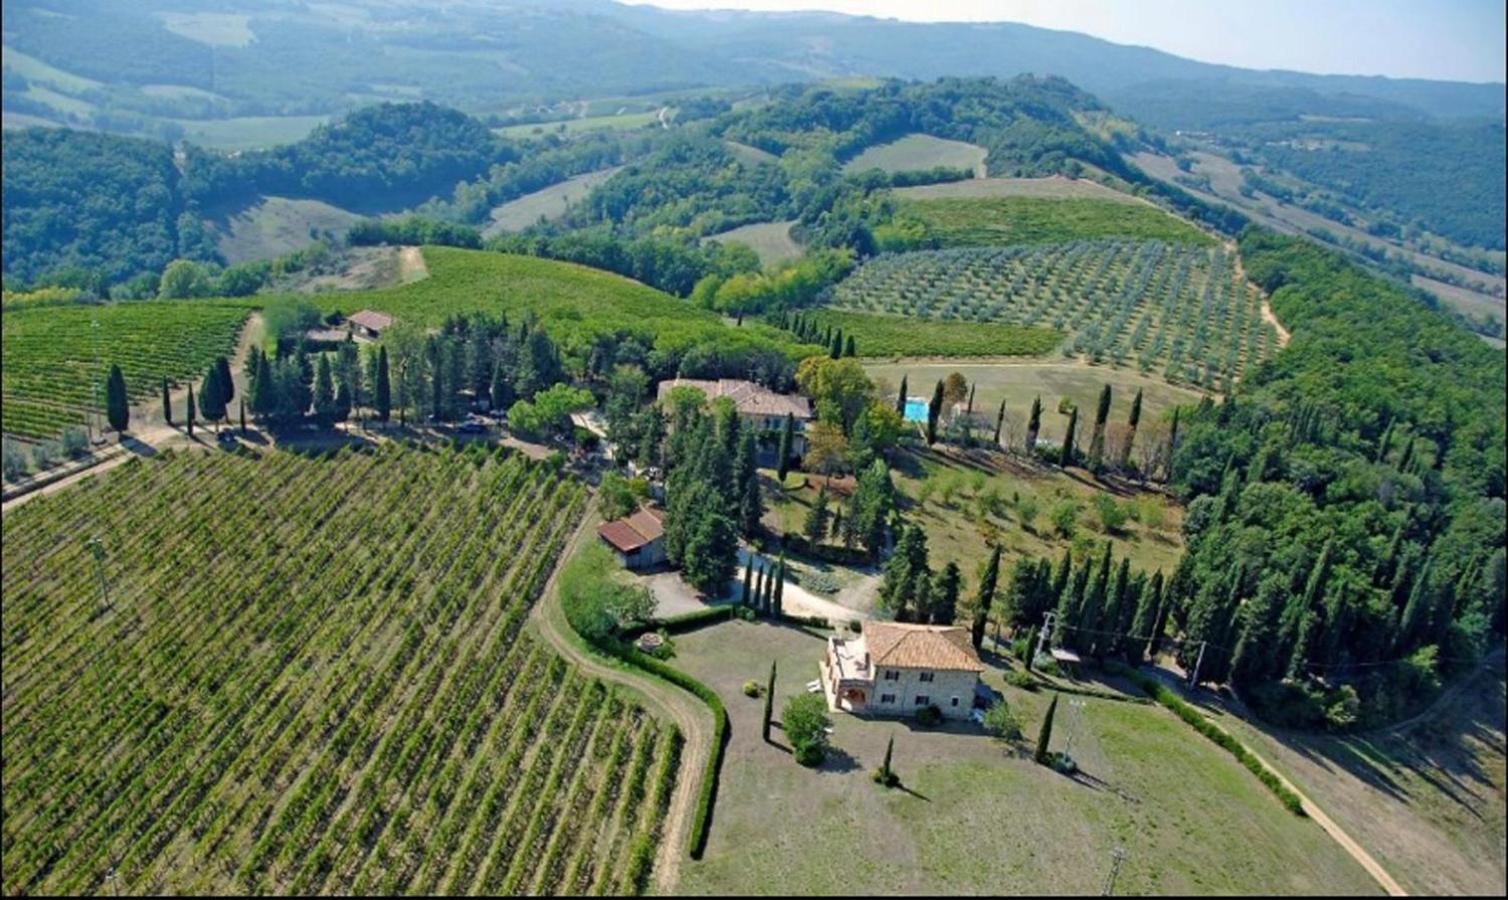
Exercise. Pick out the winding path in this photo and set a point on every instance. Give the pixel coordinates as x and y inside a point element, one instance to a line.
<point>689,713</point>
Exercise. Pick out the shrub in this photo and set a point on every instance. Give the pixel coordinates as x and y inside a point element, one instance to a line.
<point>805,723</point>
<point>752,688</point>
<point>12,460</point>
<point>1112,515</point>
<point>46,454</point>
<point>75,442</point>
<point>930,716</point>
<point>1065,517</point>
<point>1019,679</point>
<point>1001,722</point>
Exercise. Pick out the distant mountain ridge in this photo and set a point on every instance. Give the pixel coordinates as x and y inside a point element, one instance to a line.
<point>281,57</point>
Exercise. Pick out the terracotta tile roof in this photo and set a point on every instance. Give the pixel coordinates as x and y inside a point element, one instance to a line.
<point>371,319</point>
<point>942,647</point>
<point>748,398</point>
<point>638,530</point>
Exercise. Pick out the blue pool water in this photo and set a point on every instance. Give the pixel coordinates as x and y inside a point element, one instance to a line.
<point>916,410</point>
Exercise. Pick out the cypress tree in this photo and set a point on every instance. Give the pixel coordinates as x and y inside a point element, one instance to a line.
<point>1384,442</point>
<point>383,390</point>
<point>167,403</point>
<point>900,397</point>
<point>189,410</point>
<point>999,422</point>
<point>787,444</point>
<point>769,703</point>
<point>934,410</point>
<point>1172,444</point>
<point>1034,425</point>
<point>226,382</point>
<point>117,404</point>
<point>886,776</point>
<point>1133,420</point>
<point>986,596</point>
<point>1145,620</point>
<point>1300,618</point>
<point>1097,436</point>
<point>969,410</point>
<point>1045,735</point>
<point>848,346</point>
<point>242,409</point>
<point>1065,454</point>
<point>744,598</point>
<point>836,350</point>
<point>211,396</point>
<point>1416,611</point>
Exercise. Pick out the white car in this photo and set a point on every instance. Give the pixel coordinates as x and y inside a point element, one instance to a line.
<point>977,715</point>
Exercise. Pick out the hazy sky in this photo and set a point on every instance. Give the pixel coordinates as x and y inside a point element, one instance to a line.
<point>1451,39</point>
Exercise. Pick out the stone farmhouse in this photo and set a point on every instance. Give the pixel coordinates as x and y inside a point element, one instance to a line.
<point>757,405</point>
<point>637,540</point>
<point>894,669</point>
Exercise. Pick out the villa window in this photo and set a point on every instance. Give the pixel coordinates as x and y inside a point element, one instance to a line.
<point>892,675</point>
<point>955,701</point>
<point>923,700</point>
<point>925,676</point>
<point>887,698</point>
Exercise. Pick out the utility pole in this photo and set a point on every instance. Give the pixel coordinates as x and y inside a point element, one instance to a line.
<point>1117,856</point>
<point>1047,619</point>
<point>1199,662</point>
<point>97,550</point>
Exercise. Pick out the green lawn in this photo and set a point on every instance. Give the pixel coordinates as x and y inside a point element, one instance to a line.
<point>977,819</point>
<point>979,221</point>
<point>894,335</point>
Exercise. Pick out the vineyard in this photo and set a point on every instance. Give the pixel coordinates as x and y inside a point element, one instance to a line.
<point>296,675</point>
<point>49,355</point>
<point>1176,309</point>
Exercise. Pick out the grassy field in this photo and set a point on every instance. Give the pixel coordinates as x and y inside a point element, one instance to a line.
<point>919,151</point>
<point>311,676</point>
<point>968,504</point>
<point>623,122</point>
<point>48,368</point>
<point>1017,382</point>
<point>1174,307</point>
<point>771,240</point>
<point>975,818</point>
<point>275,226</point>
<point>892,335</point>
<point>547,203</point>
<point>752,156</point>
<point>248,132</point>
<point>37,71</point>
<point>575,303</point>
<point>1425,800</point>
<point>986,221</point>
<point>1055,187</point>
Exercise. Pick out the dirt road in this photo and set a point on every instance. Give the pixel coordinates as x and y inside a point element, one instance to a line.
<point>689,714</point>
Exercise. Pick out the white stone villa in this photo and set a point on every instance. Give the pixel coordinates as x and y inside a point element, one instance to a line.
<point>898,670</point>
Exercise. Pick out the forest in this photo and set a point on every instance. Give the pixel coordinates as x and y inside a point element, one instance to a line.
<point>1346,512</point>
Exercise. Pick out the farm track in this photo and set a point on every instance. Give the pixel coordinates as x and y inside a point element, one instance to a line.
<point>688,712</point>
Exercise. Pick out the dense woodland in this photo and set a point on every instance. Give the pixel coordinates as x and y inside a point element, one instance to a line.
<point>1346,507</point>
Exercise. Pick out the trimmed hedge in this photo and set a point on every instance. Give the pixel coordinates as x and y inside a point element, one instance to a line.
<point>701,822</point>
<point>1085,692</point>
<point>1159,692</point>
<point>697,619</point>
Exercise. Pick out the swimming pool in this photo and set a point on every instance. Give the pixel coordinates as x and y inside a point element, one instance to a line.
<point>916,409</point>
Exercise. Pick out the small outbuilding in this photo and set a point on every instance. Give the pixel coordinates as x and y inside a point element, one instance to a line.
<point>638,540</point>
<point>368,323</point>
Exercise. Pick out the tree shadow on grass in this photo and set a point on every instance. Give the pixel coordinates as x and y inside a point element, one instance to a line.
<point>838,761</point>
<point>137,446</point>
